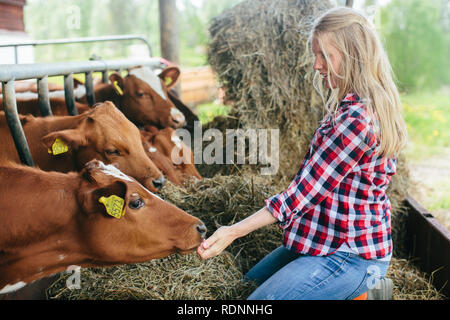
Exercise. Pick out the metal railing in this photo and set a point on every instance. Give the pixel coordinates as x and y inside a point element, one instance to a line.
<point>35,43</point>
<point>41,71</point>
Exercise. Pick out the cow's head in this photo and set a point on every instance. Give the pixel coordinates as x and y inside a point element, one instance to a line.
<point>125,223</point>
<point>170,145</point>
<point>144,99</point>
<point>107,135</point>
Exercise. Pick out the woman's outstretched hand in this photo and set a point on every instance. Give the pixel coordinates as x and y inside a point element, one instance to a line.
<point>224,236</point>
<point>215,244</point>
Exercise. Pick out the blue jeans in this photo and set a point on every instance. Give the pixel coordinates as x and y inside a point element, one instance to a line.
<point>286,275</point>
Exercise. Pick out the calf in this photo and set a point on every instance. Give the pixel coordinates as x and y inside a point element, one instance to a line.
<point>166,144</point>
<point>68,143</point>
<point>97,218</point>
<point>143,96</point>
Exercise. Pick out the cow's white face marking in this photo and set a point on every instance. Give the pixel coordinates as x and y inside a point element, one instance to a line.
<point>13,287</point>
<point>175,113</point>
<point>148,76</point>
<point>113,171</point>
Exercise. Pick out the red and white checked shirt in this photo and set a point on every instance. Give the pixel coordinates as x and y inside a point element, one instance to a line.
<point>339,193</point>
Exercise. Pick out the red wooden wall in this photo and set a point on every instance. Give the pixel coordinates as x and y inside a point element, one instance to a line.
<point>11,15</point>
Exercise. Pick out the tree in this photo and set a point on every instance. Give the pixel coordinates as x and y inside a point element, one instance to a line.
<point>415,42</point>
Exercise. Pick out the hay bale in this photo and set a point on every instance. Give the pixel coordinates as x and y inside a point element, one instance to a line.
<point>258,50</point>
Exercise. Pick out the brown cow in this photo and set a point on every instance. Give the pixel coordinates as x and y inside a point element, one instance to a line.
<point>97,218</point>
<point>165,143</point>
<point>68,143</point>
<point>142,96</point>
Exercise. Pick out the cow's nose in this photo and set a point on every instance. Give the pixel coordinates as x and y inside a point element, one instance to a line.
<point>177,116</point>
<point>201,228</point>
<point>158,183</point>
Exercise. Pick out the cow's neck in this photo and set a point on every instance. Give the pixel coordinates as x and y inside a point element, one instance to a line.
<point>38,231</point>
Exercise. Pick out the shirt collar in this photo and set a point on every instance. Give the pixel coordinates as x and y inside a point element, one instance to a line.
<point>350,97</point>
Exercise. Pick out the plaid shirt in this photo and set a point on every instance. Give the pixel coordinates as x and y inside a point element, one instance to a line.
<point>339,192</point>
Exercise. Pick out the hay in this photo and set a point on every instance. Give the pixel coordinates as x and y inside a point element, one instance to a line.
<point>410,283</point>
<point>224,200</point>
<point>173,278</point>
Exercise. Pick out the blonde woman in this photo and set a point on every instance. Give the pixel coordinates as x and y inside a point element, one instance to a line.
<point>335,214</point>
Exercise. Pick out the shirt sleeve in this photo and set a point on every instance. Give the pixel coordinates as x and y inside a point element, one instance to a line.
<point>337,155</point>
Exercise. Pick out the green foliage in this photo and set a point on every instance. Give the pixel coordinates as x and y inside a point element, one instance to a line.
<point>53,19</point>
<point>207,111</point>
<point>417,42</point>
<point>427,116</point>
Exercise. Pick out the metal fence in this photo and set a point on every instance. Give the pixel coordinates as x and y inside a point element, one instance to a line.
<point>35,43</point>
<point>41,71</point>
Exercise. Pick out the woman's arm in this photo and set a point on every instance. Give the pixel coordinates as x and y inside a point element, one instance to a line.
<point>225,235</point>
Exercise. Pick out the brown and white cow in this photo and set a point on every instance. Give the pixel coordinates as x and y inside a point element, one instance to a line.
<point>170,154</point>
<point>67,143</point>
<point>97,218</point>
<point>143,96</point>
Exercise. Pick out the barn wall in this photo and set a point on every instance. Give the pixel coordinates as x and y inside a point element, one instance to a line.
<point>11,15</point>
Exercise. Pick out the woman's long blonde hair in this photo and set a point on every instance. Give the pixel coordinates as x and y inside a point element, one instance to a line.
<point>365,70</point>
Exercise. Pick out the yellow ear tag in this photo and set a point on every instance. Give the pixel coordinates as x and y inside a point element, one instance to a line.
<point>168,80</point>
<point>118,88</point>
<point>58,147</point>
<point>114,205</point>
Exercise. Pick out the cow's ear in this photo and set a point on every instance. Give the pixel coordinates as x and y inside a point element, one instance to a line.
<point>63,141</point>
<point>170,76</point>
<point>117,82</point>
<point>110,200</point>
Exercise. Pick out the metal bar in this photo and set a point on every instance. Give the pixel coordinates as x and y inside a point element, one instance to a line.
<point>15,127</point>
<point>82,40</point>
<point>69,96</point>
<point>10,72</point>
<point>105,76</point>
<point>43,97</point>
<point>16,55</point>
<point>89,83</point>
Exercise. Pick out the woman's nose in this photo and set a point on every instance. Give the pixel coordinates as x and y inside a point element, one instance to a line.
<point>317,65</point>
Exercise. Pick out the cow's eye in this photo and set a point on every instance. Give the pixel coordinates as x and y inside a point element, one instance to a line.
<point>136,204</point>
<point>111,152</point>
<point>140,94</point>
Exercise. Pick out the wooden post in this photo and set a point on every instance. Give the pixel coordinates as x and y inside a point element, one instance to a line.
<point>349,3</point>
<point>168,23</point>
